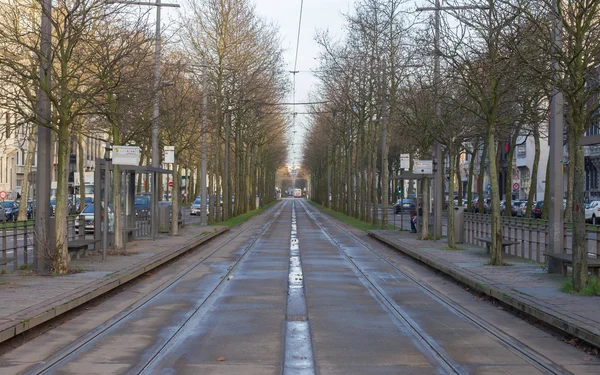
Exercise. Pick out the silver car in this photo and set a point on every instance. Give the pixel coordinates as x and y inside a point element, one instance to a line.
<point>196,207</point>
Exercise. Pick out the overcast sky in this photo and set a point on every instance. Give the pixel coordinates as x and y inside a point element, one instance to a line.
<point>316,15</point>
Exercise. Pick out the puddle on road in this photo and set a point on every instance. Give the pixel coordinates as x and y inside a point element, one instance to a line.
<point>298,346</point>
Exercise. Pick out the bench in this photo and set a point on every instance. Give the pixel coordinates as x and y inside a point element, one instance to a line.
<point>75,246</point>
<point>562,261</point>
<point>488,243</point>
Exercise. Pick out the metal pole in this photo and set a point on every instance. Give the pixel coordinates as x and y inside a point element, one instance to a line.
<point>44,164</point>
<point>226,197</point>
<point>203,192</point>
<point>384,157</point>
<point>155,114</point>
<point>556,188</point>
<point>438,185</point>
<point>105,210</point>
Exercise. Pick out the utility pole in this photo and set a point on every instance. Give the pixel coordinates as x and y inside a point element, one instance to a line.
<point>42,217</point>
<point>384,149</point>
<point>203,192</point>
<point>226,196</point>
<point>438,185</point>
<point>556,188</point>
<point>155,101</point>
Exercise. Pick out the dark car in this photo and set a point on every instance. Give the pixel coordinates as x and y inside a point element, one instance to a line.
<point>404,205</point>
<point>536,213</point>
<point>11,210</point>
<point>142,202</point>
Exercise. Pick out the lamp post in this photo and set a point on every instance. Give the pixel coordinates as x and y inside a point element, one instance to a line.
<point>107,160</point>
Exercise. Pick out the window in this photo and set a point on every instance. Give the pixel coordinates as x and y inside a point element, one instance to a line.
<point>19,182</point>
<point>21,157</point>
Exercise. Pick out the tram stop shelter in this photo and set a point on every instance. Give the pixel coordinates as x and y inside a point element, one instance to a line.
<point>139,219</point>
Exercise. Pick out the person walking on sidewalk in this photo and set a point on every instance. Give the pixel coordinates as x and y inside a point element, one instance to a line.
<point>413,222</point>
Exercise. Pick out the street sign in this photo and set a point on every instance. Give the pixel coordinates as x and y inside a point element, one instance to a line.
<point>169,154</point>
<point>405,161</point>
<point>516,186</point>
<point>2,195</point>
<point>489,187</point>
<point>423,167</point>
<point>170,183</point>
<point>126,155</point>
<point>516,177</point>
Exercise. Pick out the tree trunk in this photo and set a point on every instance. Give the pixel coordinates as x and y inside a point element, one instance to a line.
<point>572,142</point>
<point>546,208</point>
<point>31,146</point>
<point>484,155</point>
<point>470,183</point>
<point>81,169</point>
<point>509,171</point>
<point>459,195</point>
<point>60,263</point>
<point>496,255</point>
<point>176,195</point>
<point>534,173</point>
<point>579,228</point>
<point>450,232</point>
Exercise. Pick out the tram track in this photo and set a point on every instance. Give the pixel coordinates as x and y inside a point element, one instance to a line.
<point>539,361</point>
<point>61,357</point>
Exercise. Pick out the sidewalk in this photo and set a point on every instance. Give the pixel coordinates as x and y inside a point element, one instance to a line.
<point>28,300</point>
<point>525,285</point>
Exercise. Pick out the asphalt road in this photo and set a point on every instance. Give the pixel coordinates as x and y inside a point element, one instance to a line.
<point>295,292</point>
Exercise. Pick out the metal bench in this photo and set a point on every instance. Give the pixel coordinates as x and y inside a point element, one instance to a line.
<point>75,246</point>
<point>562,261</point>
<point>488,243</point>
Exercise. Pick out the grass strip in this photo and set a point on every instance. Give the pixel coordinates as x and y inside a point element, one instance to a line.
<point>346,219</point>
<point>237,220</point>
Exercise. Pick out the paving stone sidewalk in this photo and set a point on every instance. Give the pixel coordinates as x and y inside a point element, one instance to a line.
<point>27,299</point>
<point>525,285</point>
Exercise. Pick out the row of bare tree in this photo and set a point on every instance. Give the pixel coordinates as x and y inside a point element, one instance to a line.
<point>102,88</point>
<point>499,61</point>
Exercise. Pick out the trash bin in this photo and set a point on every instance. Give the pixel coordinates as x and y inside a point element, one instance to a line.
<point>459,224</point>
<point>164,217</point>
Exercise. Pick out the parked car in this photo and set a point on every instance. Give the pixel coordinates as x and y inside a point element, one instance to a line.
<point>88,214</point>
<point>592,213</point>
<point>522,209</point>
<point>487,203</point>
<point>10,210</point>
<point>515,207</point>
<point>404,205</point>
<point>536,212</point>
<point>196,207</point>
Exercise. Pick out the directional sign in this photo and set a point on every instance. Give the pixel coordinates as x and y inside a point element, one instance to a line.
<point>169,154</point>
<point>489,187</point>
<point>516,186</point>
<point>2,195</point>
<point>405,161</point>
<point>423,167</point>
<point>126,155</point>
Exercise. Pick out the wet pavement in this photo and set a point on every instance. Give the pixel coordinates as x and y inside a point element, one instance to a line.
<point>523,284</point>
<point>294,292</point>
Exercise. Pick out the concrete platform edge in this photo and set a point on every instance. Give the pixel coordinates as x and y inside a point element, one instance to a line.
<point>47,310</point>
<point>505,295</point>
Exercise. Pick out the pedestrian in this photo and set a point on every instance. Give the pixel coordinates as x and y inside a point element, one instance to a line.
<point>413,221</point>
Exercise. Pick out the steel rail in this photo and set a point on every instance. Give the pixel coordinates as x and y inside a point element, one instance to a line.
<point>63,355</point>
<point>524,351</point>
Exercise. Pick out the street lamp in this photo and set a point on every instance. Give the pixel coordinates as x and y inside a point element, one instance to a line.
<point>104,209</point>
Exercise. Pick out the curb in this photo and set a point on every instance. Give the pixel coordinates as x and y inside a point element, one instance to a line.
<point>553,318</point>
<point>45,311</point>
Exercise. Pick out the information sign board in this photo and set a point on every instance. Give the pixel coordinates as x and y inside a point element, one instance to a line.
<point>423,167</point>
<point>126,155</point>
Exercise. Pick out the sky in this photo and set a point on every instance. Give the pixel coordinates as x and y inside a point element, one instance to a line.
<point>316,15</point>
